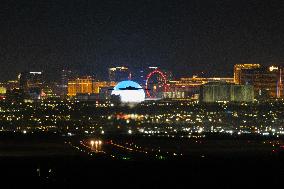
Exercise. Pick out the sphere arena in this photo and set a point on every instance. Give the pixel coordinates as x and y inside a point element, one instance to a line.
<point>129,92</point>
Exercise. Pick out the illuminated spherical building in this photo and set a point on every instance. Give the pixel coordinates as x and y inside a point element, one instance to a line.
<point>129,92</point>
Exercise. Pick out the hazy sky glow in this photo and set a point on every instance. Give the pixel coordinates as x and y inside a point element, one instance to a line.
<point>185,36</point>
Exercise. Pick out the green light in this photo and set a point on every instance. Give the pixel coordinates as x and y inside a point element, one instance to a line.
<point>161,157</point>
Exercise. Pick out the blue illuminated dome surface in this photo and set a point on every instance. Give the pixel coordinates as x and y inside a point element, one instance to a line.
<point>134,96</point>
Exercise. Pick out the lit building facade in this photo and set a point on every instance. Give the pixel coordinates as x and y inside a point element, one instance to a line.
<point>31,83</point>
<point>220,91</point>
<point>98,85</point>
<point>117,74</point>
<point>192,81</point>
<point>66,75</point>
<point>267,81</point>
<point>239,68</point>
<point>10,85</point>
<point>49,91</point>
<point>190,86</point>
<point>174,95</point>
<point>2,90</point>
<point>87,85</point>
<point>29,80</point>
<point>80,85</point>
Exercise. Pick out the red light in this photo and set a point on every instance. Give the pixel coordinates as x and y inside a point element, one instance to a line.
<point>149,75</point>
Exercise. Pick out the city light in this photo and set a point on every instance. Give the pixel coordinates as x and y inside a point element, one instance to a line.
<point>141,93</point>
<point>92,143</point>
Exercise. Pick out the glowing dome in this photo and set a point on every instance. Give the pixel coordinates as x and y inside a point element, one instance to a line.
<point>129,92</point>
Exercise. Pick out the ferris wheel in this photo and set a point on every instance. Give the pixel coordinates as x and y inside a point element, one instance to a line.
<point>156,82</point>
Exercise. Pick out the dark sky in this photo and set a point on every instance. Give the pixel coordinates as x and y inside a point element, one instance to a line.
<point>185,36</point>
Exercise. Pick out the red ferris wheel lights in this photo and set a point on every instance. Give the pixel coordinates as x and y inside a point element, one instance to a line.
<point>150,75</point>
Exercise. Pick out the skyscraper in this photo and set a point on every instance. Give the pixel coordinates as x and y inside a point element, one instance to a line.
<point>82,85</point>
<point>31,83</point>
<point>222,91</point>
<point>238,68</point>
<point>66,75</point>
<point>267,81</point>
<point>280,84</point>
<point>140,75</point>
<point>118,74</point>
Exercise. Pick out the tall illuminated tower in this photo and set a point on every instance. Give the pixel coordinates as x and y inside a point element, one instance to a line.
<point>31,83</point>
<point>118,74</point>
<point>267,81</point>
<point>238,71</point>
<point>66,75</point>
<point>279,84</point>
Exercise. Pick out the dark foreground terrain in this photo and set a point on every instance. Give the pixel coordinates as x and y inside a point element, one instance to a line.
<point>74,171</point>
<point>47,162</point>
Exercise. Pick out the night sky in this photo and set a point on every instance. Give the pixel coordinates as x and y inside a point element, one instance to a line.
<point>184,36</point>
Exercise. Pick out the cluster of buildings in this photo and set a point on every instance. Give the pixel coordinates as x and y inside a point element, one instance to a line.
<point>266,80</point>
<point>250,82</point>
<point>87,88</point>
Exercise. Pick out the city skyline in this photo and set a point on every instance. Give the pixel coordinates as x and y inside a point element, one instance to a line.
<point>141,93</point>
<point>182,36</point>
<point>249,83</point>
